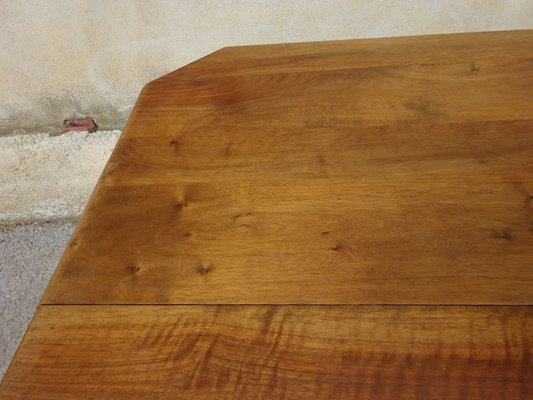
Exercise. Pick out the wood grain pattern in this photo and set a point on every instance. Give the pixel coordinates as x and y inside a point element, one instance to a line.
<point>390,171</point>
<point>359,53</point>
<point>232,352</point>
<point>419,239</point>
<point>334,220</point>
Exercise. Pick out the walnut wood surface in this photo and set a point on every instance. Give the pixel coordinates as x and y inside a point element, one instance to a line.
<point>332,220</point>
<point>389,171</point>
<point>275,352</point>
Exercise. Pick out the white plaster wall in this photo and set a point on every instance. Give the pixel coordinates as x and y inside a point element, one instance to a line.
<point>63,58</point>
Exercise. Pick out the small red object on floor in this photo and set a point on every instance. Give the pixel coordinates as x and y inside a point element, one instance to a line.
<point>80,124</point>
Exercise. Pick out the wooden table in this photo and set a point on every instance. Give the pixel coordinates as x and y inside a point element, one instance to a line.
<point>334,220</point>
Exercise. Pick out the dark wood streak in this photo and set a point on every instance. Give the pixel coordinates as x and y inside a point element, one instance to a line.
<point>332,176</point>
<point>272,352</point>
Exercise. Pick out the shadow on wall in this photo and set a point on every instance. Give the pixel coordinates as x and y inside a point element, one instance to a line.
<point>78,58</point>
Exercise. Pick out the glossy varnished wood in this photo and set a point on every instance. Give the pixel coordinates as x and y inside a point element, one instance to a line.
<point>335,220</point>
<point>337,241</point>
<point>356,172</point>
<point>275,352</point>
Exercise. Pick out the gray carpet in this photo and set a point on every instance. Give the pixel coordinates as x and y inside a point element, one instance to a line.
<point>28,257</point>
<point>42,178</point>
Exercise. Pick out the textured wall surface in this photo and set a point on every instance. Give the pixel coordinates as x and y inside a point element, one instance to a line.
<point>63,58</point>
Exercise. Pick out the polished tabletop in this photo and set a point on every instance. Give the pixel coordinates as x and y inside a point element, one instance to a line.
<point>325,220</point>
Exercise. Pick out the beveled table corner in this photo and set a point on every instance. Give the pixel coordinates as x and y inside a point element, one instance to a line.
<point>327,220</point>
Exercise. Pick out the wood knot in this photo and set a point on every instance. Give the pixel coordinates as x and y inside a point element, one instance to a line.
<point>242,215</point>
<point>133,269</point>
<point>474,68</point>
<point>503,234</point>
<point>204,269</point>
<point>336,247</point>
<point>244,220</point>
<point>180,205</point>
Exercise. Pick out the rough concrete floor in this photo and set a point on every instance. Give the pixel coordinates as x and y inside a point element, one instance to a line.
<point>46,178</point>
<point>45,183</point>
